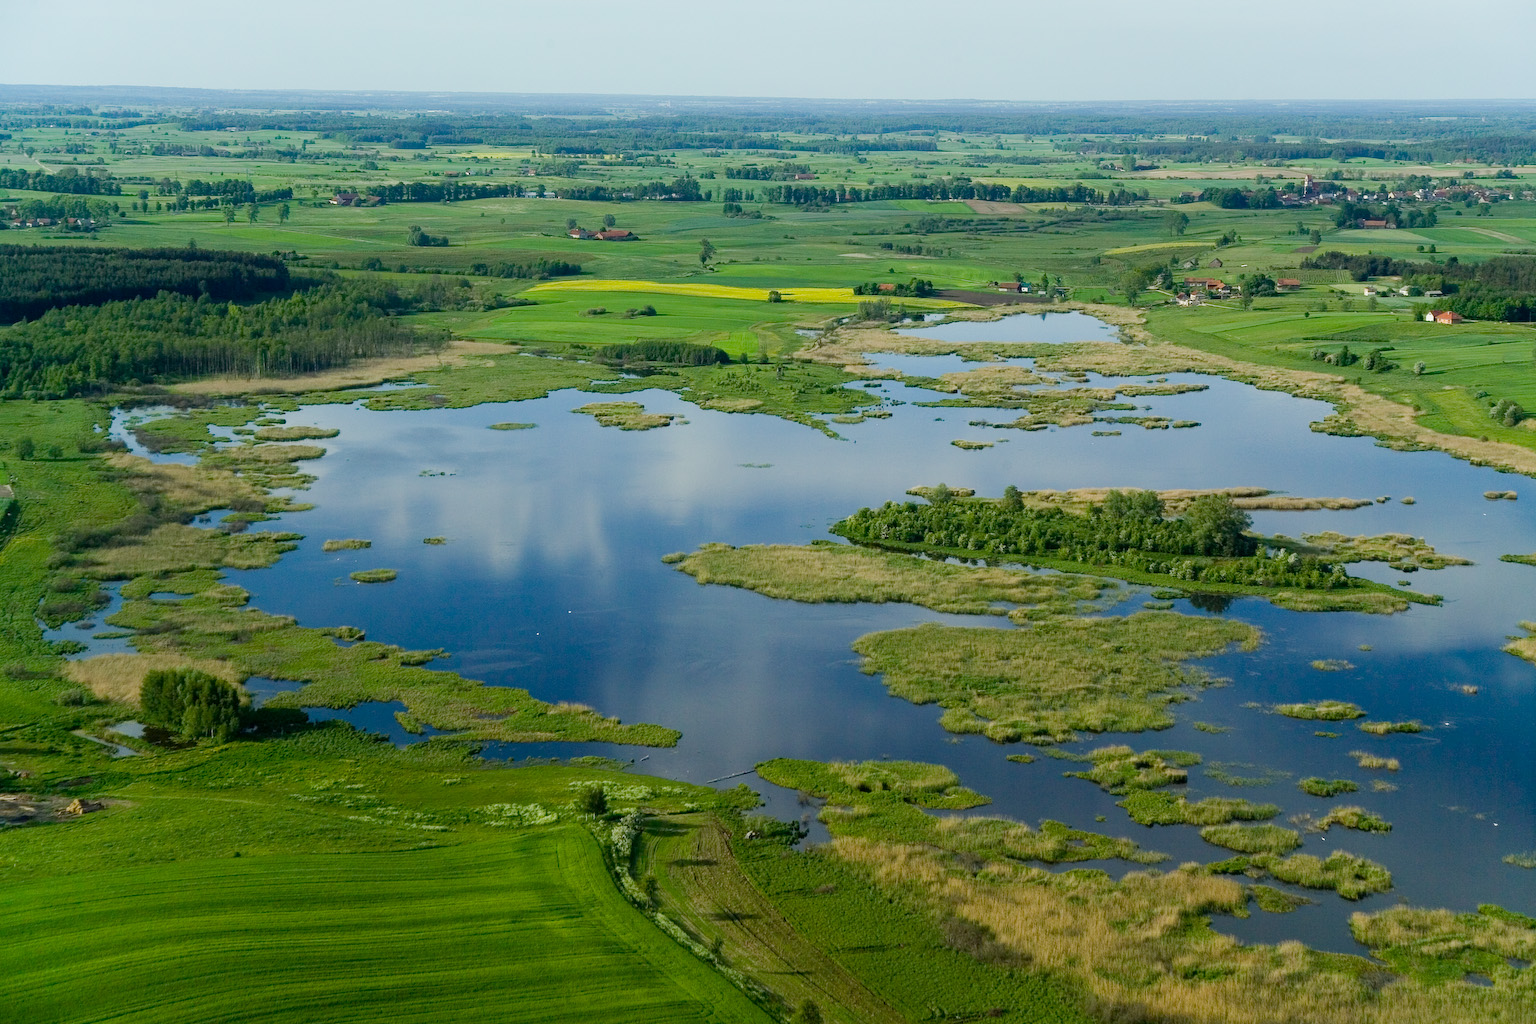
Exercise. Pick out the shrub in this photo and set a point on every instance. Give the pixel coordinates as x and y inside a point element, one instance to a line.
<point>592,800</point>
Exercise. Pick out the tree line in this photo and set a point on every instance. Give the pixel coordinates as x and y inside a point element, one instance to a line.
<point>68,181</point>
<point>822,195</point>
<point>34,280</point>
<point>80,350</point>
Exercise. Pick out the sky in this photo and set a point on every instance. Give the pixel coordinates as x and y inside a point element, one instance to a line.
<point>870,49</point>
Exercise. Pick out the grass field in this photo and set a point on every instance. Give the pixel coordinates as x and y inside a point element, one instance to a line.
<point>496,929</point>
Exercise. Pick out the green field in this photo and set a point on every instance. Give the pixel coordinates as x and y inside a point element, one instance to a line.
<point>494,928</point>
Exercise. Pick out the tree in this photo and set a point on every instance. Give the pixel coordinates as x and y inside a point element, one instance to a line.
<point>808,1013</point>
<point>570,223</point>
<point>940,494</point>
<point>1316,237</point>
<point>1012,498</point>
<point>190,703</point>
<point>774,295</point>
<point>609,220</point>
<point>25,447</point>
<point>706,252</point>
<point>1419,368</point>
<point>55,452</point>
<point>1219,525</point>
<point>283,213</point>
<point>229,213</point>
<point>1176,221</point>
<point>252,213</point>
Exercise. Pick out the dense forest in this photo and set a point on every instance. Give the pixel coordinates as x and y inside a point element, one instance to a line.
<point>86,349</point>
<point>1208,543</point>
<point>34,280</point>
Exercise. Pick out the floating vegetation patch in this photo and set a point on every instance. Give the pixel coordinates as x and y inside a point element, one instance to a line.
<point>434,541</point>
<point>346,544</point>
<point>373,575</point>
<point>1526,860</point>
<point>625,415</point>
<point>1350,876</point>
<point>1332,665</point>
<point>1120,769</point>
<point>1240,773</point>
<point>1357,818</point>
<point>971,446</point>
<point>1321,710</point>
<point>1264,838</point>
<point>1315,786</point>
<point>1366,759</point>
<point>1519,559</point>
<point>1382,786</point>
<point>1384,728</point>
<point>1022,758</point>
<point>1501,495</point>
<point>1155,808</point>
<point>1275,901</point>
<point>299,433</point>
<point>513,426</point>
<point>1210,728</point>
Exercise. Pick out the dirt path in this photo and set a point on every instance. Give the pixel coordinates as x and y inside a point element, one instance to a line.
<point>704,886</point>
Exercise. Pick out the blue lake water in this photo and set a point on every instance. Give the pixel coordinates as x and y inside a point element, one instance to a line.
<point>1043,327</point>
<point>551,580</point>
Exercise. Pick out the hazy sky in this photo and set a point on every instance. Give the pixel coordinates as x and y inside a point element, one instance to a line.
<point>1019,50</point>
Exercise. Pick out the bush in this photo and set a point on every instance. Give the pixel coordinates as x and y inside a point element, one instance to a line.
<point>592,800</point>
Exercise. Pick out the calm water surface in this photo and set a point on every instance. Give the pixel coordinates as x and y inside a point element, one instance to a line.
<point>552,580</point>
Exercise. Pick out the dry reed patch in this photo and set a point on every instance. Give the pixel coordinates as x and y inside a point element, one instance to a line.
<point>177,548</point>
<point>187,490</point>
<point>362,373</point>
<point>625,415</point>
<point>843,573</point>
<point>1524,646</point>
<point>1401,551</point>
<point>117,677</point>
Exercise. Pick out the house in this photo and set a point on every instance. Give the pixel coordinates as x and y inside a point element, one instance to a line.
<point>1010,286</point>
<point>1442,316</point>
<point>1373,225</point>
<point>616,235</point>
<point>1369,290</point>
<point>1216,264</point>
<point>1186,299</point>
<point>581,233</point>
<point>345,199</point>
<point>885,286</point>
<point>1286,284</point>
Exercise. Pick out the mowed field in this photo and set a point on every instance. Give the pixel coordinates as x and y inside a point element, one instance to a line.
<point>489,931</point>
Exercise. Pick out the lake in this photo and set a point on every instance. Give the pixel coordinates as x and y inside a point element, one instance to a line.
<point>552,580</point>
